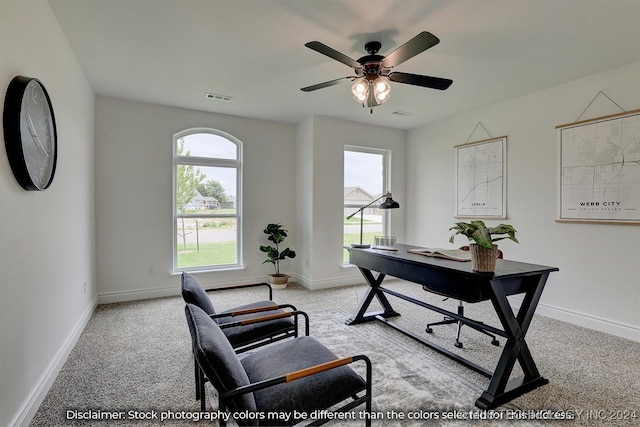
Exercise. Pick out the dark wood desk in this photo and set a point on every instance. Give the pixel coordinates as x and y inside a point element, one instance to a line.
<point>456,280</point>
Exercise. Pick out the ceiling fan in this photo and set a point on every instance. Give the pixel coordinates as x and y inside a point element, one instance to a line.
<point>373,72</point>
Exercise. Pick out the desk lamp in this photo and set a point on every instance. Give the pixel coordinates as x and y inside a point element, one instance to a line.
<point>389,203</point>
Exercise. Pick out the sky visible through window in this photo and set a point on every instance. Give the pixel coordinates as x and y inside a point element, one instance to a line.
<point>210,145</point>
<point>364,170</point>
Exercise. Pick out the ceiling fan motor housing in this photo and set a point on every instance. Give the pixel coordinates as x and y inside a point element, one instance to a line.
<point>371,64</point>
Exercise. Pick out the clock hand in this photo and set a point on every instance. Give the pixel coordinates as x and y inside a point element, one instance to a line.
<point>34,134</point>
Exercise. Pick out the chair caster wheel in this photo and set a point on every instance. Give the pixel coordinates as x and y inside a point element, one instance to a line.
<point>458,344</point>
<point>495,342</point>
<point>428,330</point>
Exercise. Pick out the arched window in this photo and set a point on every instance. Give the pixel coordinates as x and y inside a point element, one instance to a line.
<point>207,200</point>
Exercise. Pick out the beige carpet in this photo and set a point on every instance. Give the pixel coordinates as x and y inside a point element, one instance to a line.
<point>135,358</point>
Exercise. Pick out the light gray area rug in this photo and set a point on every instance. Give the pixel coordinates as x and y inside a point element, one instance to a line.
<point>136,356</point>
<point>410,388</point>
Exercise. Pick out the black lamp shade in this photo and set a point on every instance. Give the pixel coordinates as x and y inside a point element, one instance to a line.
<point>389,203</point>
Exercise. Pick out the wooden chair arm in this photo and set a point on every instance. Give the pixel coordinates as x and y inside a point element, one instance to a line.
<point>302,373</point>
<point>251,310</point>
<point>267,318</point>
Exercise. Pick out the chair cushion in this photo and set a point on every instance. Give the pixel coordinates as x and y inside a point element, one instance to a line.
<point>217,358</point>
<point>318,391</point>
<point>194,293</point>
<point>240,335</point>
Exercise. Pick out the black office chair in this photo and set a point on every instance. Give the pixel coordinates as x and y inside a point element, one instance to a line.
<point>248,326</point>
<point>295,376</point>
<point>450,320</point>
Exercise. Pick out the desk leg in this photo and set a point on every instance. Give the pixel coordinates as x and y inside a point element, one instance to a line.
<point>374,291</point>
<point>501,389</point>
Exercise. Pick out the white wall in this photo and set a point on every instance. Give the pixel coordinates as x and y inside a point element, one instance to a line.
<point>46,238</point>
<point>134,161</point>
<point>597,285</point>
<point>319,195</point>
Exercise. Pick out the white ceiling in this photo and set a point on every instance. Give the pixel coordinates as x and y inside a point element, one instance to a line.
<point>172,52</point>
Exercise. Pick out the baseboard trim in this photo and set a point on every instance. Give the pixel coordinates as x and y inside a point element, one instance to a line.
<point>137,294</point>
<point>39,392</point>
<point>608,326</point>
<point>314,285</point>
<point>168,291</point>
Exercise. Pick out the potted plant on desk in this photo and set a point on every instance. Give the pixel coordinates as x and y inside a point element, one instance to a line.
<point>274,255</point>
<point>481,242</point>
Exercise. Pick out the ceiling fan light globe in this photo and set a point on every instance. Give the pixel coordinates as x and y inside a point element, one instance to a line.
<point>382,97</point>
<point>381,89</point>
<point>381,86</point>
<point>360,90</point>
<point>360,98</point>
<point>359,87</point>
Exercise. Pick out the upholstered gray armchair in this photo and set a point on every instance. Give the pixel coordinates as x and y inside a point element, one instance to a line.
<point>247,326</point>
<point>297,376</point>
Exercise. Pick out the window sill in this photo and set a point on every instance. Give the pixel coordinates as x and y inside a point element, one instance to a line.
<point>209,270</point>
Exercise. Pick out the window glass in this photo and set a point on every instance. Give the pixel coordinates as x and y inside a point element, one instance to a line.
<point>214,191</point>
<point>209,145</point>
<point>206,242</point>
<point>364,181</point>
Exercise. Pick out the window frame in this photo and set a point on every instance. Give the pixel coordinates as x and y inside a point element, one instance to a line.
<point>208,162</point>
<point>386,179</point>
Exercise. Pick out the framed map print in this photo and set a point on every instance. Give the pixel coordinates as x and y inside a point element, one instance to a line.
<point>599,169</point>
<point>481,179</point>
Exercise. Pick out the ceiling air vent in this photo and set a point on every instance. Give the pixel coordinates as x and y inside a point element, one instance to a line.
<point>218,97</point>
<point>402,113</point>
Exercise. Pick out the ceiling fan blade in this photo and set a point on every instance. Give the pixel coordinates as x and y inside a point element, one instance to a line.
<point>326,84</point>
<point>332,53</point>
<point>418,80</point>
<point>416,45</point>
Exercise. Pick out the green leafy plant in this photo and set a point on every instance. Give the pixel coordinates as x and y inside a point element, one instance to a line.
<point>477,231</point>
<point>276,235</point>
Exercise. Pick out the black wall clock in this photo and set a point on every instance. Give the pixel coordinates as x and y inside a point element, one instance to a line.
<point>30,133</point>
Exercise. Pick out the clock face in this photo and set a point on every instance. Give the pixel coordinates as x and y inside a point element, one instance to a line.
<point>30,133</point>
<point>38,142</point>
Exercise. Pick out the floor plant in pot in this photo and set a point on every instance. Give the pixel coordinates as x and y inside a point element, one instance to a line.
<point>482,240</point>
<point>276,234</point>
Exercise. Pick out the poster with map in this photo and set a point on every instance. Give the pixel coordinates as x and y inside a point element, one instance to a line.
<point>599,171</point>
<point>480,179</point>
